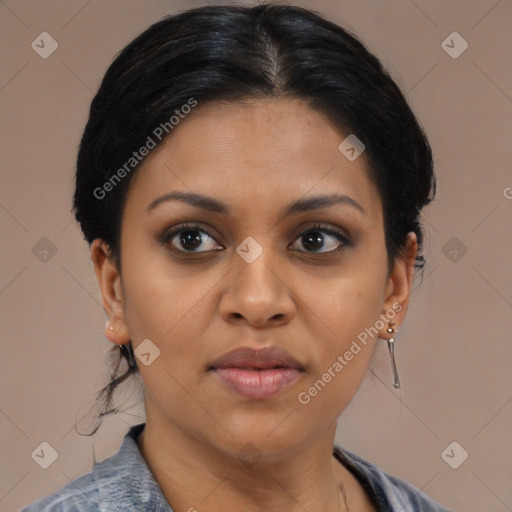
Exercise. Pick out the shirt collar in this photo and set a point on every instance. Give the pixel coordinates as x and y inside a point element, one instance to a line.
<point>134,481</point>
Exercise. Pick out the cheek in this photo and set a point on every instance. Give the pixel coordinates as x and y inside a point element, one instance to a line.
<point>168,308</point>
<point>168,312</point>
<point>341,308</point>
<point>344,312</point>
<point>349,299</point>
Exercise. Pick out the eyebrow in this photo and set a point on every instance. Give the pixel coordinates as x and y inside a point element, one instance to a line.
<point>213,205</point>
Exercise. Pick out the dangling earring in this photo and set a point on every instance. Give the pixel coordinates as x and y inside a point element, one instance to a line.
<point>391,347</point>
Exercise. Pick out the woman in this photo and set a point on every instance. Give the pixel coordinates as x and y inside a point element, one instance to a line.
<point>250,182</point>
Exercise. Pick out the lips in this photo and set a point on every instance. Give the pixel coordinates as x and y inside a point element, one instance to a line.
<point>257,374</point>
<point>268,357</point>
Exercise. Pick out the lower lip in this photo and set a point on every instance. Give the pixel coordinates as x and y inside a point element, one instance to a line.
<point>257,384</point>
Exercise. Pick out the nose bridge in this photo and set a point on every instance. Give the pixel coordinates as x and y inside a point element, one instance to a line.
<point>257,268</point>
<point>256,291</point>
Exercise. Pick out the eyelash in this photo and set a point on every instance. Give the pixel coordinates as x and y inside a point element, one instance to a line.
<point>168,235</point>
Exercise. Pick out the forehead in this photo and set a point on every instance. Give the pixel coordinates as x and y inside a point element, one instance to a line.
<point>261,152</point>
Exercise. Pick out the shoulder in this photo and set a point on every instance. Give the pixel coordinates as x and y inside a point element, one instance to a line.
<point>393,492</point>
<point>80,495</point>
<point>119,483</point>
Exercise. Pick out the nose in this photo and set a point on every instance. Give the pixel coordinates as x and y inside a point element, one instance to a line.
<point>256,294</point>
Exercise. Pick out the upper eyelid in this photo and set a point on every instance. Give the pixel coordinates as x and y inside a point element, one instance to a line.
<point>168,234</point>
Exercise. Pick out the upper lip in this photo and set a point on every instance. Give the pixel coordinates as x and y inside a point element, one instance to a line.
<point>268,357</point>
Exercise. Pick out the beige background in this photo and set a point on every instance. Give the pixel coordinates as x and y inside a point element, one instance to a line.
<point>453,352</point>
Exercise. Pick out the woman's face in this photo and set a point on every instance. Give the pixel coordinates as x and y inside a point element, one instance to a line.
<point>253,274</point>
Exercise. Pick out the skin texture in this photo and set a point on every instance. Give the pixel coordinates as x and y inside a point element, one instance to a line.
<point>256,158</point>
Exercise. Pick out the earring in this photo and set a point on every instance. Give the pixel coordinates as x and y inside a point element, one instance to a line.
<point>391,347</point>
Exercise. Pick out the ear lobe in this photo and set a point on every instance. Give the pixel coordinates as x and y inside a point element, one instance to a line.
<point>116,333</point>
<point>109,281</point>
<point>399,284</point>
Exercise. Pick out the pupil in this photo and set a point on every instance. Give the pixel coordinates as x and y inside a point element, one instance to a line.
<point>310,240</point>
<point>188,238</point>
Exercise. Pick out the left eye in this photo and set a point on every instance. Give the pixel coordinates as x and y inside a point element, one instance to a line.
<point>315,239</point>
<point>188,239</point>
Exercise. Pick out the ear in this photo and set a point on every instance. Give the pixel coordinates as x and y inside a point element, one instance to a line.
<point>399,284</point>
<point>109,282</point>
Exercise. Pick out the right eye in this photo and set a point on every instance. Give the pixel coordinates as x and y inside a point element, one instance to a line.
<point>188,238</point>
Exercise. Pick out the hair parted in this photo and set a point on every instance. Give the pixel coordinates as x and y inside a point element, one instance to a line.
<point>237,53</point>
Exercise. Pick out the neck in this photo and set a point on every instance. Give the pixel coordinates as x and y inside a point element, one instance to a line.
<point>196,476</point>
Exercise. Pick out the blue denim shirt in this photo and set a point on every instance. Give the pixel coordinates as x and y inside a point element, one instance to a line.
<point>124,483</point>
